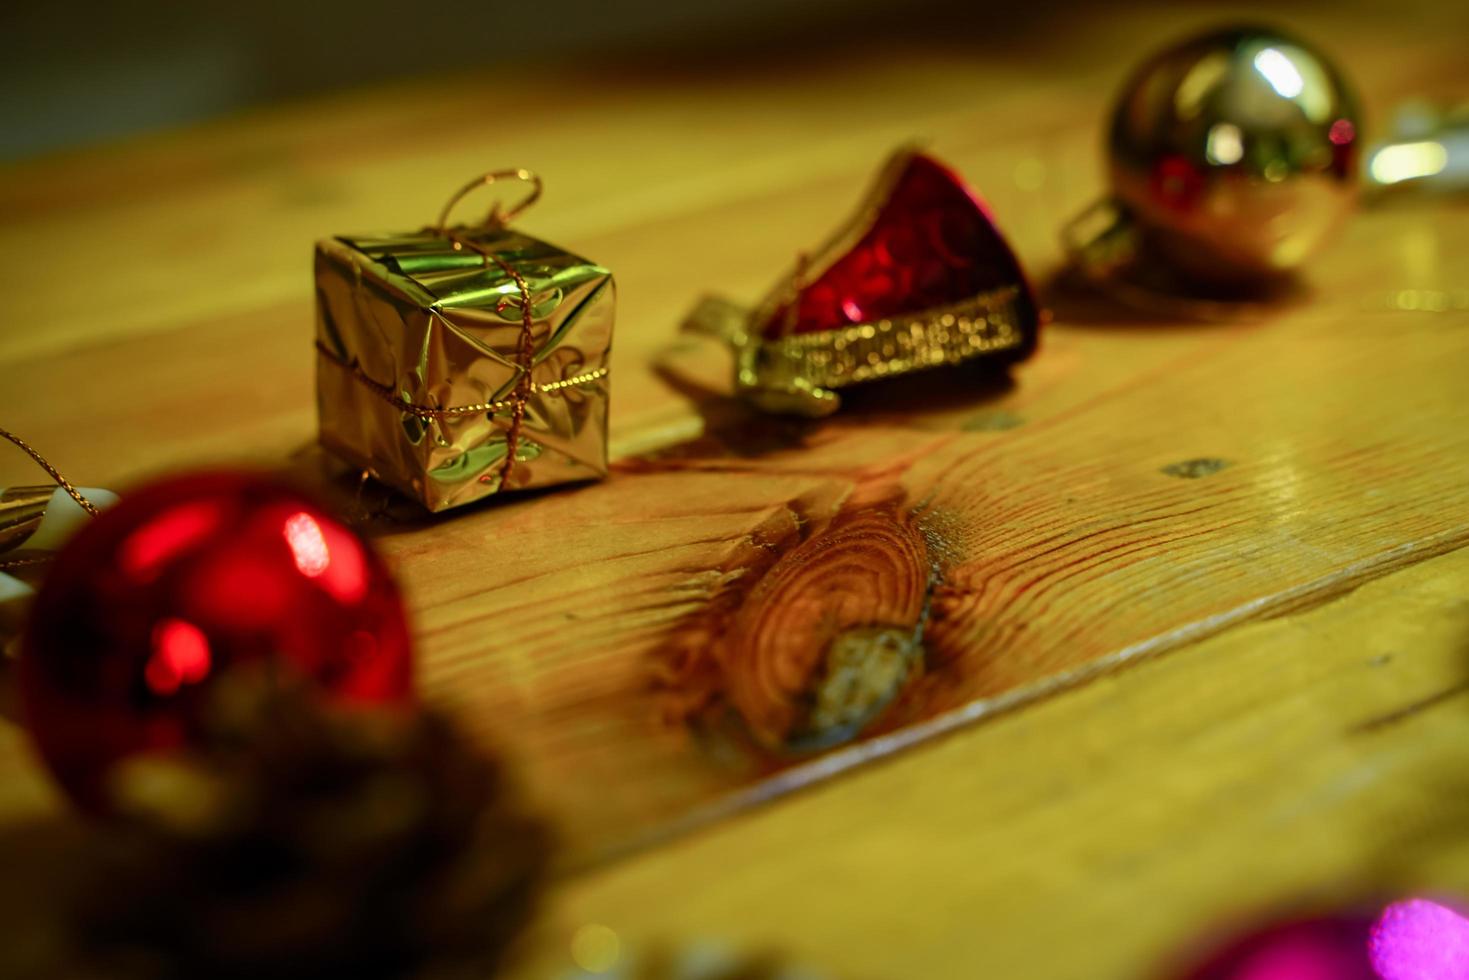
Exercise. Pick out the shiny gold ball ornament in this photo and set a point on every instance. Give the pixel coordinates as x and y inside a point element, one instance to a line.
<point>1233,156</point>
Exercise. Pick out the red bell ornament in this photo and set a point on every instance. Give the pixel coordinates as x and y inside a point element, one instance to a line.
<point>181,580</point>
<point>919,278</point>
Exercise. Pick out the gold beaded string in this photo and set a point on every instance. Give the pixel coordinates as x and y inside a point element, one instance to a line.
<point>51,471</point>
<point>65,484</point>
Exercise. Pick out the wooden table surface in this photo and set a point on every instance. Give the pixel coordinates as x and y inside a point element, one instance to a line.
<point>1300,744</point>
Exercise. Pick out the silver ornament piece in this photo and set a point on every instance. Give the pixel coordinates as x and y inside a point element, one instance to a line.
<point>1233,156</point>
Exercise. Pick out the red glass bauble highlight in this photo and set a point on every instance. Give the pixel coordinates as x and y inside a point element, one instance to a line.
<point>179,581</point>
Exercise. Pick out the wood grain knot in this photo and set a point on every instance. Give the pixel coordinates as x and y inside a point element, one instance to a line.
<point>1194,469</point>
<point>828,633</point>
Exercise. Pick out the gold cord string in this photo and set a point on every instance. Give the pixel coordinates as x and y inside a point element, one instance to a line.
<point>496,216</point>
<point>61,481</point>
<point>524,353</point>
<point>10,563</point>
<point>387,393</point>
<point>525,349</point>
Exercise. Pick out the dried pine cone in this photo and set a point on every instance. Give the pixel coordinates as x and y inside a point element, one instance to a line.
<point>312,842</point>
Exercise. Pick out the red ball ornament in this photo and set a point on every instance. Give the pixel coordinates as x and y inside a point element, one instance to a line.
<point>180,580</point>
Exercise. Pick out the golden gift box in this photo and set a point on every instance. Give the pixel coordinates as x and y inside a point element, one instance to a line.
<point>455,363</point>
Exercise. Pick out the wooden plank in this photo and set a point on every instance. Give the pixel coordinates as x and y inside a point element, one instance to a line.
<point>1301,763</point>
<point>1061,543</point>
<point>1062,546</point>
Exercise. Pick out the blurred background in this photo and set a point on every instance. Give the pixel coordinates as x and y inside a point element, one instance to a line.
<point>78,73</point>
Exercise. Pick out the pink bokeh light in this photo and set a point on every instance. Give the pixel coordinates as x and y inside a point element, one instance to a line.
<point>1420,940</point>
